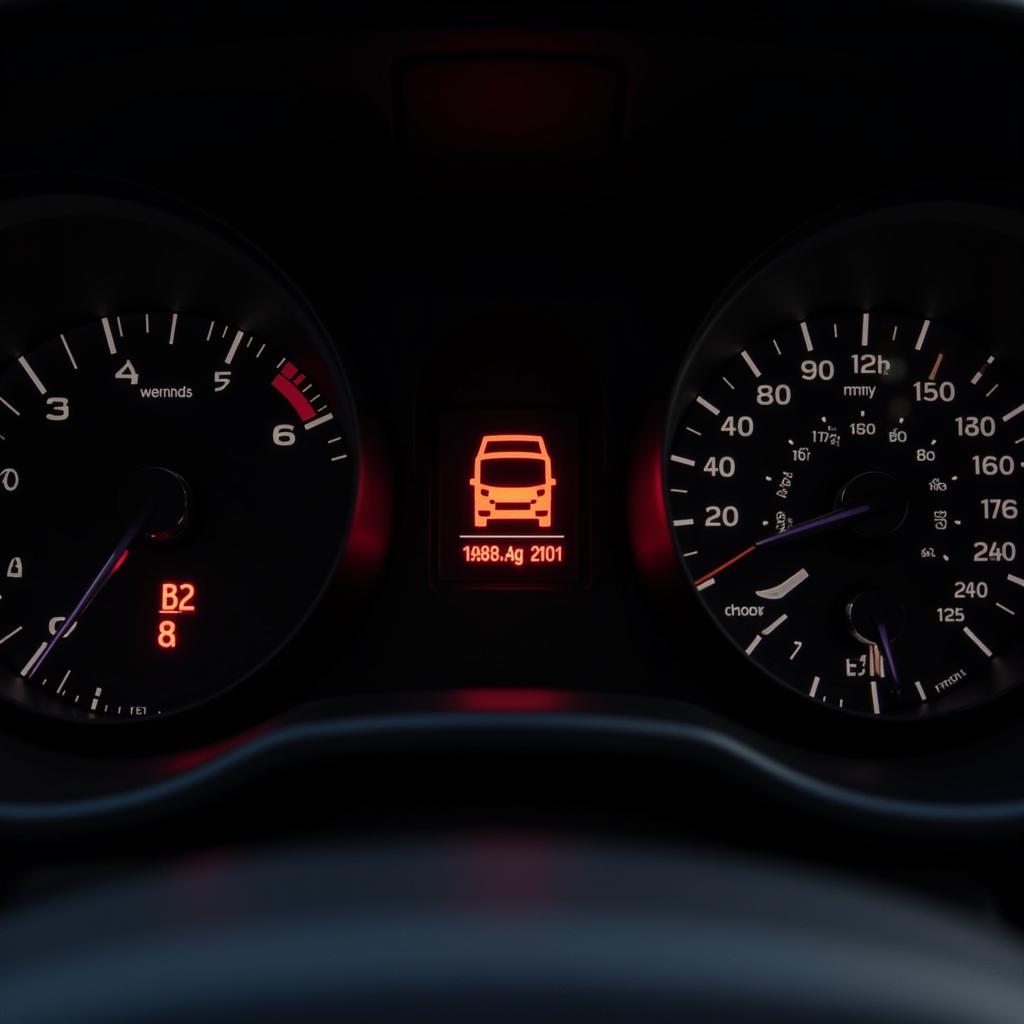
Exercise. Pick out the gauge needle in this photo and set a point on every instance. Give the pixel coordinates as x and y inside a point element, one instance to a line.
<point>822,522</point>
<point>886,644</point>
<point>110,566</point>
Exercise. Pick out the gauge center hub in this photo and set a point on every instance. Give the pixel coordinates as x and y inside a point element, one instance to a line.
<point>165,494</point>
<point>884,494</point>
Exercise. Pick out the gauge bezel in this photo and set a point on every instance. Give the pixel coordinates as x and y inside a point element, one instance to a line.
<point>870,262</point>
<point>181,260</point>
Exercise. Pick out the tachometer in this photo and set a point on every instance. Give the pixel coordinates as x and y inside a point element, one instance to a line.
<point>845,498</point>
<point>175,494</point>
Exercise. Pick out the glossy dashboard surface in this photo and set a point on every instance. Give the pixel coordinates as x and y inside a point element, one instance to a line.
<point>495,236</point>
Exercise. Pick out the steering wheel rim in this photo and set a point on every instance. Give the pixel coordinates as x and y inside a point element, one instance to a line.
<point>515,929</point>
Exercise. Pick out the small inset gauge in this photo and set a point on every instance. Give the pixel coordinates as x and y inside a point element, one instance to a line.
<point>845,498</point>
<point>175,494</point>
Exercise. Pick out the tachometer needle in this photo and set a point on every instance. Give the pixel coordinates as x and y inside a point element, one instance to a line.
<point>822,522</point>
<point>110,566</point>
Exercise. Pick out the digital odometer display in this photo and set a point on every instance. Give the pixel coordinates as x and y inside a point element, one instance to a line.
<point>508,508</point>
<point>175,493</point>
<point>845,497</point>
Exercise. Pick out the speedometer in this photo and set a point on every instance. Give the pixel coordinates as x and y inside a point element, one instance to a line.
<point>845,498</point>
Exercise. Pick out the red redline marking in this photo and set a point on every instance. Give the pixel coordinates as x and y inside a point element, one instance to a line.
<point>935,368</point>
<point>289,370</point>
<point>298,380</point>
<point>724,565</point>
<point>297,399</point>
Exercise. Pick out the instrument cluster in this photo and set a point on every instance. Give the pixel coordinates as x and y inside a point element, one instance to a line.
<point>538,452</point>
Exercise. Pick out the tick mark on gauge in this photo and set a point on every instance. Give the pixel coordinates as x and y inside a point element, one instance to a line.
<point>864,328</point>
<point>984,366</point>
<point>1013,412</point>
<point>7,405</point>
<point>234,347</point>
<point>174,328</point>
<point>35,657</point>
<point>71,358</point>
<point>1002,607</point>
<point>319,421</point>
<point>769,629</point>
<point>682,522</point>
<point>874,697</point>
<point>14,632</point>
<point>713,409</point>
<point>109,335</point>
<point>751,365</point>
<point>32,375</point>
<point>919,344</point>
<point>808,344</point>
<point>682,460</point>
<point>815,682</point>
<point>920,689</point>
<point>977,641</point>
<point>752,646</point>
<point>935,367</point>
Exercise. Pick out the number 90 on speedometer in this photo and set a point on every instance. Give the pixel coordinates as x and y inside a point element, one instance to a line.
<point>844,496</point>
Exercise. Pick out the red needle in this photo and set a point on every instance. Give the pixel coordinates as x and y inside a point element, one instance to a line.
<point>724,565</point>
<point>821,522</point>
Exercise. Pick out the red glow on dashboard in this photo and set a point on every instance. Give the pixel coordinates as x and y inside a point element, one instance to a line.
<point>650,533</point>
<point>190,759</point>
<point>511,701</point>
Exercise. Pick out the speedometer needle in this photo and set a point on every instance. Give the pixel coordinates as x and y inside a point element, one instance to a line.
<point>110,566</point>
<point>822,522</point>
<point>886,644</point>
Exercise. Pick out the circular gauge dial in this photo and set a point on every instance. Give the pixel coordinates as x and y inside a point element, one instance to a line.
<point>845,496</point>
<point>175,494</point>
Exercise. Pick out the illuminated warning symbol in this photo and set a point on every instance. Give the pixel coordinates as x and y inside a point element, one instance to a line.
<point>512,480</point>
<point>14,569</point>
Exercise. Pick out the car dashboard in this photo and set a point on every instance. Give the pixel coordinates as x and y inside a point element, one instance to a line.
<point>579,417</point>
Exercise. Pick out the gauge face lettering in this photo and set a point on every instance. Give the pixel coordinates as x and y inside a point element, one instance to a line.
<point>175,493</point>
<point>845,498</point>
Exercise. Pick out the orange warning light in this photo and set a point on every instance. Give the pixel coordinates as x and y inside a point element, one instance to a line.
<point>512,480</point>
<point>175,599</point>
